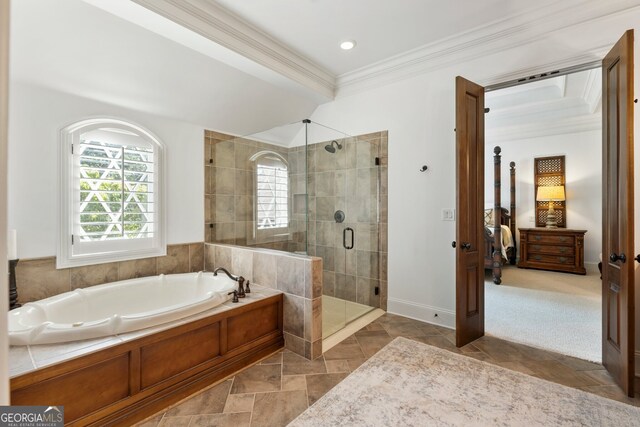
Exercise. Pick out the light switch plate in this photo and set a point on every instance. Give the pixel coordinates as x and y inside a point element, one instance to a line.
<point>448,214</point>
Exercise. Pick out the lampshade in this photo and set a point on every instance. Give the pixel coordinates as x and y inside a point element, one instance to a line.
<point>555,192</point>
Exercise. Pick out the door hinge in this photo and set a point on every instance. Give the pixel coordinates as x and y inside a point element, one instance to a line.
<point>376,290</point>
<point>72,239</point>
<point>71,148</point>
<point>377,161</point>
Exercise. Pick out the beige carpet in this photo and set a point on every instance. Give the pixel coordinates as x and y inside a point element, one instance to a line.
<point>553,311</point>
<point>408,383</point>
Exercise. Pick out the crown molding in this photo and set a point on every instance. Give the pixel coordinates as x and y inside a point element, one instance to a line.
<point>593,90</point>
<point>584,123</point>
<point>499,35</point>
<point>219,25</point>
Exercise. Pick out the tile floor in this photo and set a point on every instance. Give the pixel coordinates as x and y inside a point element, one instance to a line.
<point>274,391</point>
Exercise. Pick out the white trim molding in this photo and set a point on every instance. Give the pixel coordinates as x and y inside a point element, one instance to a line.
<point>221,26</point>
<point>513,31</point>
<point>72,253</point>
<point>424,313</point>
<point>225,28</point>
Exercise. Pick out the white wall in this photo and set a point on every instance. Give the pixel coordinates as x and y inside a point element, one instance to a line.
<point>583,161</point>
<point>4,287</point>
<point>419,114</point>
<point>37,115</point>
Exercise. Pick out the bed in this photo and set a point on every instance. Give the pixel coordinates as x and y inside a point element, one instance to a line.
<point>500,224</point>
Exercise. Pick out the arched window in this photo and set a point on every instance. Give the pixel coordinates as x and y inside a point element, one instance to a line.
<point>272,191</point>
<point>111,193</point>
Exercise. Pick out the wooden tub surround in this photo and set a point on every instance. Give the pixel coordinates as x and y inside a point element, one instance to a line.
<point>127,382</point>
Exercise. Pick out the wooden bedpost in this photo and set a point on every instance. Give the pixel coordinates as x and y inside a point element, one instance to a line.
<point>512,212</point>
<point>497,215</point>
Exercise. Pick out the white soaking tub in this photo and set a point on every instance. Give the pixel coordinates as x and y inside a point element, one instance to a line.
<point>117,307</point>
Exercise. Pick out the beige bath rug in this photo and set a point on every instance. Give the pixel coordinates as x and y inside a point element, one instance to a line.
<point>408,383</point>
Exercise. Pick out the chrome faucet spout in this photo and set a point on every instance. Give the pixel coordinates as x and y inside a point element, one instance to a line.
<point>225,271</point>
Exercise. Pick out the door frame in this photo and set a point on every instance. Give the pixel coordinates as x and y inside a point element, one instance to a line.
<point>568,70</point>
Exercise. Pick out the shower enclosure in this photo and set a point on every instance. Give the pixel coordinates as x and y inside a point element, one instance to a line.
<point>308,189</point>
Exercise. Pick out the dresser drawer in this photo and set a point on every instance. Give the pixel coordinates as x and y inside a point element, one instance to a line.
<point>545,238</point>
<point>550,259</point>
<point>551,249</point>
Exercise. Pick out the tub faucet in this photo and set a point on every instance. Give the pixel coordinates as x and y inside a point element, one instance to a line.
<point>241,292</point>
<point>225,271</point>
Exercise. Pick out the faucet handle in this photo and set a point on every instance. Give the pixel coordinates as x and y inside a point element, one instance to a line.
<point>247,290</point>
<point>241,291</point>
<point>235,296</point>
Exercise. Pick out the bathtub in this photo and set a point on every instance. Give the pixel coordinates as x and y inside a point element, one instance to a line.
<point>116,308</point>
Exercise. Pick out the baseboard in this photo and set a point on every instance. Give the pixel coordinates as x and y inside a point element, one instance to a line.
<point>424,313</point>
<point>592,268</point>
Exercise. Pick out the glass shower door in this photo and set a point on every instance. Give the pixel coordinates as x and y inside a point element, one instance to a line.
<point>343,196</point>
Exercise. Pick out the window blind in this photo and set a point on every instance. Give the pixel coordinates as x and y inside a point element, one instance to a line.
<point>115,190</point>
<point>272,196</point>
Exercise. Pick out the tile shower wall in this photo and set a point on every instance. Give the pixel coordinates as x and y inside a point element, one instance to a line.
<point>298,277</point>
<point>38,278</point>
<point>230,194</point>
<point>349,181</point>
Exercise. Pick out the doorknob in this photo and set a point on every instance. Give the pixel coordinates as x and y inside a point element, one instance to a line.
<point>453,245</point>
<point>637,258</point>
<point>466,246</point>
<point>615,257</point>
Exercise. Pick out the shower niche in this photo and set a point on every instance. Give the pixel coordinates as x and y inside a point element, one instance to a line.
<point>309,189</point>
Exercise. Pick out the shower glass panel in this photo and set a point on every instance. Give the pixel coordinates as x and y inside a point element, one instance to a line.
<point>343,188</point>
<point>309,189</point>
<point>255,189</point>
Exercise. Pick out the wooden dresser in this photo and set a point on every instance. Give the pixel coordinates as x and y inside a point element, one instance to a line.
<point>556,249</point>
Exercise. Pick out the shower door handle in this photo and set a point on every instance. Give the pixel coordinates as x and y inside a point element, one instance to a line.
<point>344,238</point>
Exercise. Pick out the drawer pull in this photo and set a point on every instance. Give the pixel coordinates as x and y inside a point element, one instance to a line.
<point>537,258</point>
<point>615,288</point>
<point>537,237</point>
<point>564,239</point>
<point>536,247</point>
<point>563,259</point>
<point>563,250</point>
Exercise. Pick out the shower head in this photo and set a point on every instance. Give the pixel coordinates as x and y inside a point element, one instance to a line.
<point>330,147</point>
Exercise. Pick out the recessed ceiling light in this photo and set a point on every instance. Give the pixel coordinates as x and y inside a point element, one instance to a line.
<point>348,44</point>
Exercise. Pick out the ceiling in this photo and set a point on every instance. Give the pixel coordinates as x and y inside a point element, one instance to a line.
<point>564,104</point>
<point>245,66</point>
<point>72,47</point>
<point>382,29</point>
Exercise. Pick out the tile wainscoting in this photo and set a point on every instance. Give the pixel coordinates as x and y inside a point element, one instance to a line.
<point>299,277</point>
<point>38,278</point>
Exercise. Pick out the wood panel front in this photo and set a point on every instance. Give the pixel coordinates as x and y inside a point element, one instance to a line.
<point>248,326</point>
<point>188,350</point>
<point>80,392</point>
<point>119,385</point>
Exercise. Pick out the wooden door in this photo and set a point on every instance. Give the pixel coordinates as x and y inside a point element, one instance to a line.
<point>470,205</point>
<point>617,213</point>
